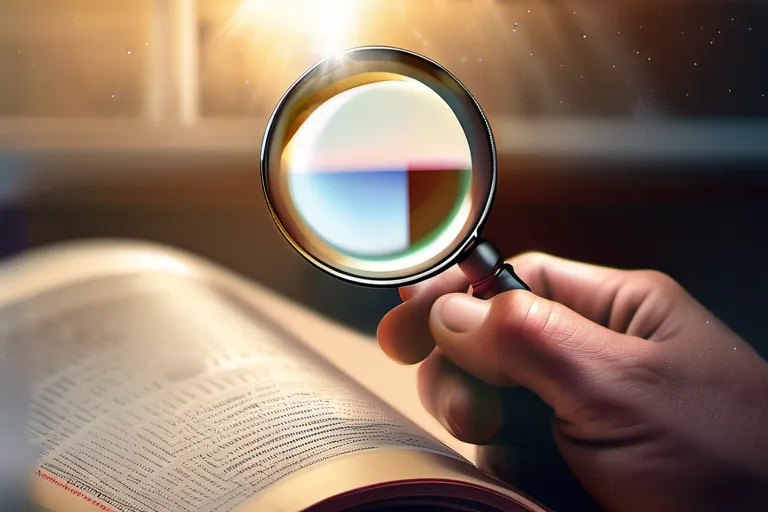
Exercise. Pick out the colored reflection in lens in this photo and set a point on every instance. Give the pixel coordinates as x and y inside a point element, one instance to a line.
<point>381,174</point>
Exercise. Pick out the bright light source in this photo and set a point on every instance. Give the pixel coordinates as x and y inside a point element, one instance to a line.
<point>329,26</point>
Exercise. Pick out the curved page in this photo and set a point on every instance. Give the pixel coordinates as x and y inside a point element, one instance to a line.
<point>155,392</point>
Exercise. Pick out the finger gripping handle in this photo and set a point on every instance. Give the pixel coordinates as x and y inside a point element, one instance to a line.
<point>487,272</point>
<point>503,280</point>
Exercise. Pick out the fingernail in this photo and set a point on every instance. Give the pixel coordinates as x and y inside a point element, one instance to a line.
<point>406,293</point>
<point>462,313</point>
<point>409,292</point>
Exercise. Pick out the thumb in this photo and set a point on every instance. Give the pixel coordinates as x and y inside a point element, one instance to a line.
<point>520,338</point>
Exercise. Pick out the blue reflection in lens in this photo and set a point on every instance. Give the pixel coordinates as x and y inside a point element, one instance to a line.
<point>362,214</point>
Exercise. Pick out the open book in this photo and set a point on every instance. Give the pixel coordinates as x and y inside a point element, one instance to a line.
<point>154,381</point>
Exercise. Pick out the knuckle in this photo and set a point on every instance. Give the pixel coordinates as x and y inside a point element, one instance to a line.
<point>522,315</point>
<point>648,361</point>
<point>657,280</point>
<point>643,373</point>
<point>529,258</point>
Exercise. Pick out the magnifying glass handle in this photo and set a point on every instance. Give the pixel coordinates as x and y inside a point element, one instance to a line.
<point>488,273</point>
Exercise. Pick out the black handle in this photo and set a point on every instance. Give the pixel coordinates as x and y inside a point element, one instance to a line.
<point>487,271</point>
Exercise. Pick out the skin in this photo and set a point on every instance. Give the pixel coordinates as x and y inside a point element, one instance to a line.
<point>652,402</point>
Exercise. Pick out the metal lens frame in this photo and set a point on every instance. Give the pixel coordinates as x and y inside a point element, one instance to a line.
<point>370,64</point>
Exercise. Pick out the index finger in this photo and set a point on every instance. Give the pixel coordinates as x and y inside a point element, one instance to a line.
<point>404,332</point>
<point>587,289</point>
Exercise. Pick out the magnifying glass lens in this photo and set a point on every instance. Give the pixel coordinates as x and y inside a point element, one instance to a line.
<point>378,167</point>
<point>381,172</point>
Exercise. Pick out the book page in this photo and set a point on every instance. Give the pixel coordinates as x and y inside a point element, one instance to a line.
<point>153,392</point>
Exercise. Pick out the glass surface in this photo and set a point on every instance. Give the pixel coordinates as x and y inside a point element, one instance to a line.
<point>378,165</point>
<point>381,172</point>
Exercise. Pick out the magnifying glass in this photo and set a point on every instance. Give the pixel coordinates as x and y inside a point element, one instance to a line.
<point>379,167</point>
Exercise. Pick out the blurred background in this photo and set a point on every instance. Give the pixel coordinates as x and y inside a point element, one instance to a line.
<point>630,133</point>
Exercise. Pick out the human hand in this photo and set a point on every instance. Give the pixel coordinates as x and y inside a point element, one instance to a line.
<point>657,404</point>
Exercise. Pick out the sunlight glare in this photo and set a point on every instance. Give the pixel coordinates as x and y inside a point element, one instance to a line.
<point>329,26</point>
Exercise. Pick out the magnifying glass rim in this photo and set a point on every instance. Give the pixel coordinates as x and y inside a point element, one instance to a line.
<point>447,261</point>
